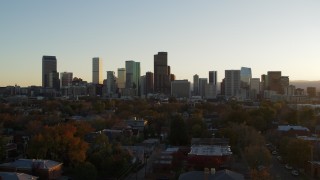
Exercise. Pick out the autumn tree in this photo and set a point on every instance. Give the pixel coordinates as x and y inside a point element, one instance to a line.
<point>58,143</point>
<point>257,156</point>
<point>298,152</point>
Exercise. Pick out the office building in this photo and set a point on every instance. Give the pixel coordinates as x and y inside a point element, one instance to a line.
<point>213,77</point>
<point>65,79</point>
<point>111,84</point>
<point>149,82</point>
<point>97,70</point>
<point>121,80</point>
<point>196,85</point>
<point>133,76</point>
<point>211,91</point>
<point>264,82</point>
<point>255,84</point>
<point>245,76</point>
<point>49,64</point>
<point>180,88</point>
<point>289,90</point>
<point>254,88</point>
<point>54,81</point>
<point>232,83</point>
<point>274,81</point>
<point>284,83</point>
<point>312,91</point>
<point>142,82</point>
<point>202,86</point>
<point>161,73</point>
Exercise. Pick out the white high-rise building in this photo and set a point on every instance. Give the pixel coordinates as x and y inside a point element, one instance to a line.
<point>97,70</point>
<point>232,83</point>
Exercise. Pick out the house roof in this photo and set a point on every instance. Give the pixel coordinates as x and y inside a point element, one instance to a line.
<point>290,127</point>
<point>16,176</point>
<point>210,150</point>
<point>219,175</point>
<point>30,163</point>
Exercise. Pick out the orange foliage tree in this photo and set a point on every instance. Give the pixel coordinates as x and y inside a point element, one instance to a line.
<point>58,143</point>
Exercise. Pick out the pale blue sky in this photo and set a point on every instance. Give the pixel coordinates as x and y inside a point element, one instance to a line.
<point>199,36</point>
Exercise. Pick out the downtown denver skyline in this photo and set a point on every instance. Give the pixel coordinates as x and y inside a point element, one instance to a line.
<point>198,36</point>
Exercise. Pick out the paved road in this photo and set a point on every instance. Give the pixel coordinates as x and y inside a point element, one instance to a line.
<point>147,168</point>
<point>279,172</point>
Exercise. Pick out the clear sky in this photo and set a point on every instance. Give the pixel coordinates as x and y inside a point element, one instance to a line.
<point>199,36</point>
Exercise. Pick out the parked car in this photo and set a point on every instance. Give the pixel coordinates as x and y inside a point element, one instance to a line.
<point>274,152</point>
<point>279,158</point>
<point>288,167</point>
<point>295,172</point>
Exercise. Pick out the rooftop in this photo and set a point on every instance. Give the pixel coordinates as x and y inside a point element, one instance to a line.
<point>219,175</point>
<point>29,163</point>
<point>16,176</point>
<point>210,150</point>
<point>290,127</point>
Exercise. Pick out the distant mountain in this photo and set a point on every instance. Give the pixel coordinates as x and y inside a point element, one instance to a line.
<point>304,84</point>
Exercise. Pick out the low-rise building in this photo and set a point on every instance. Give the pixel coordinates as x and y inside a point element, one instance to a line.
<point>45,169</point>
<point>290,130</point>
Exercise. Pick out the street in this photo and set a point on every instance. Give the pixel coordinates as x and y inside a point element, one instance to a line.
<point>279,172</point>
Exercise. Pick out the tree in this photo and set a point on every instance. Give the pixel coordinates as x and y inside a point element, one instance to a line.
<point>84,171</point>
<point>260,175</point>
<point>178,132</point>
<point>58,143</point>
<point>257,156</point>
<point>298,152</point>
<point>109,159</point>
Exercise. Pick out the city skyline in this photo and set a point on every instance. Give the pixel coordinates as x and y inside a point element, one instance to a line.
<point>199,37</point>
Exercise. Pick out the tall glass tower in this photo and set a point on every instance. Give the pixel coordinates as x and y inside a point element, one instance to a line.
<point>245,76</point>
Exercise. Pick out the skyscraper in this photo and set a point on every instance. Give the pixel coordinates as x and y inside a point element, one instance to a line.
<point>121,78</point>
<point>149,82</point>
<point>142,83</point>
<point>245,76</point>
<point>180,88</point>
<point>254,87</point>
<point>213,77</point>
<point>97,70</point>
<point>202,86</point>
<point>111,83</point>
<point>54,81</point>
<point>133,75</point>
<point>196,85</point>
<point>161,73</point>
<point>49,65</point>
<point>232,83</point>
<point>274,81</point>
